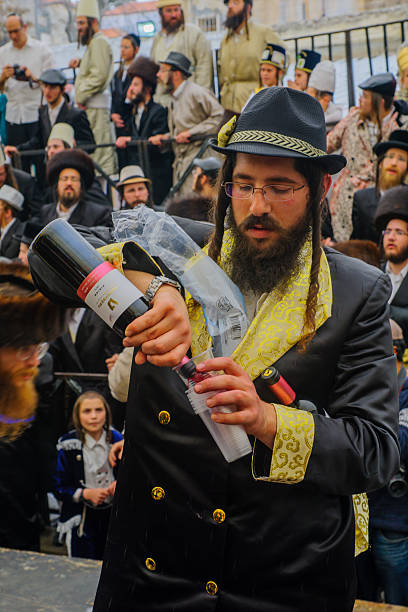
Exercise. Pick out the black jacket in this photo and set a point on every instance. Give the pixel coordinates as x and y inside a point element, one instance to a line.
<point>152,122</point>
<point>399,307</point>
<point>86,213</point>
<point>27,186</point>
<point>74,116</point>
<point>281,547</point>
<point>9,246</point>
<point>119,89</point>
<point>365,204</point>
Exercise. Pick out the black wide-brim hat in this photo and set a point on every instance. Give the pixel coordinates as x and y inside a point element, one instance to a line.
<point>393,204</point>
<point>398,140</point>
<point>280,122</point>
<point>70,158</point>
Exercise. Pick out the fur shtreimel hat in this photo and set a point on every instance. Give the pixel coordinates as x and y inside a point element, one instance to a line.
<point>78,160</point>
<point>26,316</point>
<point>144,68</point>
<point>393,204</point>
<point>280,122</point>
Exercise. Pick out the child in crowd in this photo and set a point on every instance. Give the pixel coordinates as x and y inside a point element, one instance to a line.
<point>85,481</point>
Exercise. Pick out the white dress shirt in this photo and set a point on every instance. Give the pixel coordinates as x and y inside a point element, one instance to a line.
<point>22,100</point>
<point>396,279</point>
<point>53,112</point>
<point>98,471</point>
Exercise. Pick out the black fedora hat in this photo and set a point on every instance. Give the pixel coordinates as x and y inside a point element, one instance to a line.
<point>398,140</point>
<point>280,122</point>
<point>178,61</point>
<point>393,204</point>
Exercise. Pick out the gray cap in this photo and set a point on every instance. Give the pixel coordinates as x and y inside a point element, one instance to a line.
<point>323,77</point>
<point>208,164</point>
<point>12,197</point>
<point>53,77</point>
<point>3,160</point>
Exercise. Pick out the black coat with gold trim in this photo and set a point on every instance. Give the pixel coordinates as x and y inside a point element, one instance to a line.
<point>191,532</point>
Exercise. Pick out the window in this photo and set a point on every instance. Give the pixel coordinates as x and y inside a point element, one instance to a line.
<point>208,24</point>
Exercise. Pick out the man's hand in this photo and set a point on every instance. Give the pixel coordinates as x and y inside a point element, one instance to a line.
<point>74,63</point>
<point>122,141</point>
<point>29,74</point>
<point>158,140</point>
<point>81,106</point>
<point>112,488</point>
<point>7,72</point>
<point>115,453</point>
<point>117,120</point>
<point>110,361</point>
<point>235,388</point>
<point>96,496</point>
<point>163,333</point>
<point>183,137</point>
<point>10,151</point>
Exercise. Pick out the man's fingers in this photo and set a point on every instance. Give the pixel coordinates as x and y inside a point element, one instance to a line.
<point>221,382</point>
<point>239,417</point>
<point>225,364</point>
<point>171,358</point>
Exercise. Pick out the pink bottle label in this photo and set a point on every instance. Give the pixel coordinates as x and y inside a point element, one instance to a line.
<point>108,292</point>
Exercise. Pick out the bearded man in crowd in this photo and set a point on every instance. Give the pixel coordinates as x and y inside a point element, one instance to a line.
<point>187,38</point>
<point>27,320</point>
<point>191,531</point>
<point>392,169</point>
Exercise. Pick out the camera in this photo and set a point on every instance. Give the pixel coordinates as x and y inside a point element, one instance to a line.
<point>398,485</point>
<point>19,73</point>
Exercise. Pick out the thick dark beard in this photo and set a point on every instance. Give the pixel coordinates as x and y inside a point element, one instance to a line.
<point>85,38</point>
<point>259,270</point>
<point>140,97</point>
<point>398,258</point>
<point>172,27</point>
<point>233,22</point>
<point>68,200</point>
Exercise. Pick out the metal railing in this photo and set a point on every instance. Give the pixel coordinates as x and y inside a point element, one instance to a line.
<point>369,43</point>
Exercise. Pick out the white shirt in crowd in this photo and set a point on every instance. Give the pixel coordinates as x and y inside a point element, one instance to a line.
<point>396,279</point>
<point>22,100</point>
<point>97,470</point>
<point>53,112</point>
<point>65,215</point>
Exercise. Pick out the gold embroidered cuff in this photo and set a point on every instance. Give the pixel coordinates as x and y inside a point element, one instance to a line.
<point>292,447</point>
<point>361,515</point>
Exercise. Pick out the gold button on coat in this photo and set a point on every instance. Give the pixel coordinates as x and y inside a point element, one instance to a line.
<point>158,493</point>
<point>164,417</point>
<point>211,587</point>
<point>219,515</point>
<point>150,564</point>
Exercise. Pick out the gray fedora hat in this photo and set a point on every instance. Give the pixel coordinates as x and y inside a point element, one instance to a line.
<point>132,174</point>
<point>178,61</point>
<point>280,122</point>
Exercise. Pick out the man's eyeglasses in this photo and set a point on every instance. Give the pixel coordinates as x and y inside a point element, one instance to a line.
<point>271,193</point>
<point>72,179</point>
<point>398,232</point>
<point>26,352</point>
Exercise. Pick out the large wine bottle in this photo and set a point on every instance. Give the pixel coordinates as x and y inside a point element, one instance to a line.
<point>99,284</point>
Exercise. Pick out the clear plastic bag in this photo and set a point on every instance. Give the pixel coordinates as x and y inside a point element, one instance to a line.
<point>222,302</point>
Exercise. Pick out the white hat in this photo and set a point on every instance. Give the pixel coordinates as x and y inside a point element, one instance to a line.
<point>88,8</point>
<point>12,197</point>
<point>323,77</point>
<point>62,131</point>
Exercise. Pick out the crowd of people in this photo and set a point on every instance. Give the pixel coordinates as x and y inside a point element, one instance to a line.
<point>153,133</point>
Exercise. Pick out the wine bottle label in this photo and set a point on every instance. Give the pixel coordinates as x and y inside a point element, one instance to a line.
<point>108,292</point>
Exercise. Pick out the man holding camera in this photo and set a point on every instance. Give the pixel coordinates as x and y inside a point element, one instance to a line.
<point>22,60</point>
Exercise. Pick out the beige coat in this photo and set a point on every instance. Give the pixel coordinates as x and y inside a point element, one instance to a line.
<point>190,41</point>
<point>91,90</point>
<point>197,110</point>
<point>238,63</point>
